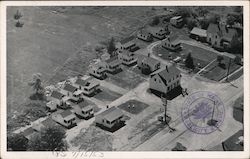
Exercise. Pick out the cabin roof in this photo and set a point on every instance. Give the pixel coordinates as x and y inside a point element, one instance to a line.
<point>111,114</point>
<point>66,113</point>
<point>70,88</point>
<point>198,31</point>
<point>57,95</point>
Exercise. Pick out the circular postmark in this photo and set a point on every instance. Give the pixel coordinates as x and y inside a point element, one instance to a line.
<point>203,112</point>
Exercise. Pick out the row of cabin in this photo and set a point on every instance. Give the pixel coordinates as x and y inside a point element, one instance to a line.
<point>72,92</point>
<point>152,32</point>
<point>217,35</point>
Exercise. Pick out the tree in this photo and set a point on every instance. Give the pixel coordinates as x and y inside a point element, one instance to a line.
<point>17,142</point>
<point>189,63</point>
<point>204,23</point>
<point>50,139</point>
<point>36,83</point>
<point>215,19</point>
<point>231,20</point>
<point>202,11</point>
<point>111,46</point>
<point>155,21</point>
<point>191,23</point>
<point>238,9</point>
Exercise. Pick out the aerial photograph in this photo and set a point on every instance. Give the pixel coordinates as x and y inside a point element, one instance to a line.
<point>124,78</point>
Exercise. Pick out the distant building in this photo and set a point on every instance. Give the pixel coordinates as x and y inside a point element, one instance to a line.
<point>220,36</point>
<point>164,81</point>
<point>66,119</point>
<point>176,21</point>
<point>84,110</point>
<point>98,71</point>
<point>172,43</point>
<point>112,65</point>
<point>144,35</point>
<point>127,43</point>
<point>88,86</point>
<point>127,58</point>
<point>111,118</point>
<point>148,64</point>
<point>199,34</point>
<point>158,32</point>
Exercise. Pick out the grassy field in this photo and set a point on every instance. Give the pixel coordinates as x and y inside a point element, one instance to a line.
<point>59,42</point>
<point>138,106</point>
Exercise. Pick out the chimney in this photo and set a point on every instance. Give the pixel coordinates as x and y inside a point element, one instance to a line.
<point>148,54</point>
<point>167,68</point>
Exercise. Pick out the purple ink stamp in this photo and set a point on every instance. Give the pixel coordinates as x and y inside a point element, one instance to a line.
<point>203,112</point>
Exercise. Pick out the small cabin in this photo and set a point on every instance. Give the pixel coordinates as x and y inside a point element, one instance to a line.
<point>60,100</point>
<point>158,32</point>
<point>198,34</point>
<point>126,44</point>
<point>72,92</point>
<point>51,106</point>
<point>177,21</point>
<point>127,58</point>
<point>84,110</point>
<point>148,64</point>
<point>111,118</point>
<point>112,65</point>
<point>88,86</point>
<point>98,71</point>
<point>144,35</point>
<point>172,43</point>
<point>66,119</point>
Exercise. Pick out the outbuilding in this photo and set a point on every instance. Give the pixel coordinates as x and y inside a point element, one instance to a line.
<point>65,118</point>
<point>198,34</point>
<point>84,110</point>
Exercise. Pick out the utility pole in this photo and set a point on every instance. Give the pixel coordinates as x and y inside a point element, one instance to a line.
<point>228,69</point>
<point>165,103</point>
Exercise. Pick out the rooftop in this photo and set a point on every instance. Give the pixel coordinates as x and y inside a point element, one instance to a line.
<point>57,95</point>
<point>70,88</point>
<point>66,113</point>
<point>111,114</point>
<point>113,61</point>
<point>198,31</point>
<point>149,60</point>
<point>222,30</point>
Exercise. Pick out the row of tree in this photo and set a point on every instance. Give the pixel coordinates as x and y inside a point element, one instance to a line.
<point>48,139</point>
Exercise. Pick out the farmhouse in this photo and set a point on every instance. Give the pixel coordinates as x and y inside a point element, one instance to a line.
<point>66,119</point>
<point>220,36</point>
<point>112,65</point>
<point>157,32</point>
<point>147,64</point>
<point>88,86</point>
<point>176,21</point>
<point>127,44</point>
<point>172,43</point>
<point>199,34</point>
<point>110,119</point>
<point>127,58</point>
<point>84,110</point>
<point>163,81</point>
<point>98,71</point>
<point>144,35</point>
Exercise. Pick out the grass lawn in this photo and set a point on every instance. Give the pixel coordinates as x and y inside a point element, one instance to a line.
<point>138,106</point>
<point>107,95</point>
<point>126,79</point>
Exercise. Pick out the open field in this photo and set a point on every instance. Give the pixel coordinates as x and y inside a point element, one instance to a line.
<point>58,43</point>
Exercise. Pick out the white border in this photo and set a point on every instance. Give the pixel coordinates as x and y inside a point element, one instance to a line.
<point>148,154</point>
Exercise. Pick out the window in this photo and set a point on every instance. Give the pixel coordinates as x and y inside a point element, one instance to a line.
<point>168,88</point>
<point>155,79</point>
<point>65,121</point>
<point>216,36</point>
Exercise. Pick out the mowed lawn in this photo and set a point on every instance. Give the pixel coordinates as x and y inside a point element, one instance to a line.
<point>106,95</point>
<point>133,106</point>
<point>127,78</point>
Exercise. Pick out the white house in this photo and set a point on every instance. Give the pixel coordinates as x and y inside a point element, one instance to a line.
<point>158,32</point>
<point>171,43</point>
<point>65,118</point>
<point>72,92</point>
<point>127,58</point>
<point>84,110</point>
<point>60,100</point>
<point>112,65</point>
<point>126,44</point>
<point>111,118</point>
<point>88,86</point>
<point>164,81</point>
<point>147,62</point>
<point>98,71</point>
<point>144,35</point>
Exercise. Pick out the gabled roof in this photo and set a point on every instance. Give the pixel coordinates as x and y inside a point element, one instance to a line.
<point>111,114</point>
<point>198,31</point>
<point>87,108</point>
<point>81,82</point>
<point>126,40</point>
<point>149,60</point>
<point>144,32</point>
<point>66,113</point>
<point>70,88</point>
<point>113,61</point>
<point>156,29</point>
<point>167,73</point>
<point>57,95</point>
<point>224,32</point>
<point>173,39</point>
<point>83,104</point>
